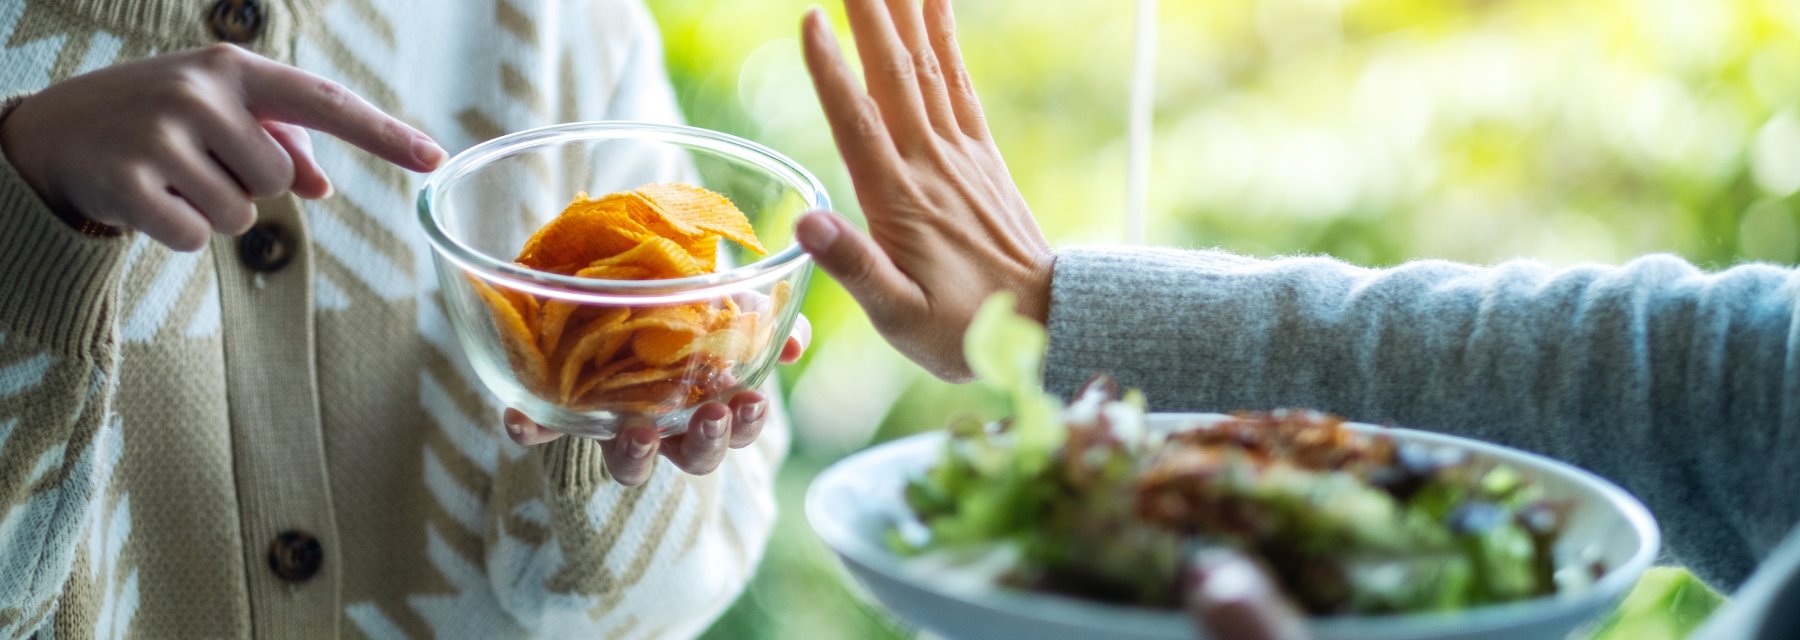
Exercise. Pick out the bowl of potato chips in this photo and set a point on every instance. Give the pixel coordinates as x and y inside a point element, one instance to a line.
<point>605,273</point>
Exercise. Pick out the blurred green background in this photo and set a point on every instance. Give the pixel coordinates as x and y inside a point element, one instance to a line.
<point>1374,130</point>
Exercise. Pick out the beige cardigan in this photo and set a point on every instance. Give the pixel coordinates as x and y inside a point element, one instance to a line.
<point>190,447</point>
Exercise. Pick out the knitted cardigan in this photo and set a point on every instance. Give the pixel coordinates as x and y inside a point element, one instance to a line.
<point>166,417</point>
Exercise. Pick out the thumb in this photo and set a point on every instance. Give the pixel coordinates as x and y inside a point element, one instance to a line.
<point>852,259</point>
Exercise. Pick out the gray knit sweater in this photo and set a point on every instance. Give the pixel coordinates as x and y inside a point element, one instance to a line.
<point>1680,385</point>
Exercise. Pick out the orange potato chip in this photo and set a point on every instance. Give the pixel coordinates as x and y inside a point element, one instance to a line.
<point>748,322</point>
<point>616,272</point>
<point>728,345</point>
<point>692,318</point>
<point>766,324</point>
<point>703,209</point>
<point>656,219</point>
<point>661,396</point>
<point>704,251</point>
<point>644,359</point>
<point>515,336</point>
<point>779,297</point>
<point>634,378</point>
<point>662,345</point>
<point>699,244</point>
<point>598,338</point>
<point>555,314</point>
<point>659,256</point>
<point>586,231</point>
<point>583,386</point>
<point>605,371</point>
<point>525,303</point>
<point>627,363</point>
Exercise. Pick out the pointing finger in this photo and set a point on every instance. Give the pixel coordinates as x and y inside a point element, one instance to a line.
<point>274,91</point>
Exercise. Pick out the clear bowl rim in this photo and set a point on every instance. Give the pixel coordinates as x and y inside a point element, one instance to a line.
<point>770,268</point>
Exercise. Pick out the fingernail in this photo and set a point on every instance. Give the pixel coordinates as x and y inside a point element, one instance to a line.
<point>712,428</point>
<point>750,412</point>
<point>816,232</point>
<point>513,427</point>
<point>638,449</point>
<point>330,190</point>
<point>427,152</point>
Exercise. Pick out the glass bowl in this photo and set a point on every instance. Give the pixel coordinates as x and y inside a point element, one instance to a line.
<point>582,355</point>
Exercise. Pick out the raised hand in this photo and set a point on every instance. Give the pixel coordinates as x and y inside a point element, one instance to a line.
<point>947,226</point>
<point>180,145</point>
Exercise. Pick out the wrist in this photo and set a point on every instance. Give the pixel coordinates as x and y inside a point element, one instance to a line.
<point>84,225</point>
<point>1034,292</point>
<point>16,151</point>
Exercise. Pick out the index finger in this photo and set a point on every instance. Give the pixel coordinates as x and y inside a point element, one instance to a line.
<point>274,91</point>
<point>856,123</point>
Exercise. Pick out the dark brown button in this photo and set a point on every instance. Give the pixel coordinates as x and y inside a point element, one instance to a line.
<point>266,247</point>
<point>295,555</point>
<point>236,21</point>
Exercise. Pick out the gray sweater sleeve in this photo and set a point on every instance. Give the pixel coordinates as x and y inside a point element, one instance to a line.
<point>1682,386</point>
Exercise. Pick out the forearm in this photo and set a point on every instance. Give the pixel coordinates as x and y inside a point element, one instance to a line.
<point>1680,385</point>
<point>58,444</point>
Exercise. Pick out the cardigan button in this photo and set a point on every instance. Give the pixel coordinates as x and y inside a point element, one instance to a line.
<point>236,21</point>
<point>295,555</point>
<point>266,247</point>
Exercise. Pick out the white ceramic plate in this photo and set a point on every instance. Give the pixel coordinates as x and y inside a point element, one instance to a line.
<point>855,501</point>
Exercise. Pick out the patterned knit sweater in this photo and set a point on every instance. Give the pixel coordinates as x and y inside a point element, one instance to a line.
<point>166,417</point>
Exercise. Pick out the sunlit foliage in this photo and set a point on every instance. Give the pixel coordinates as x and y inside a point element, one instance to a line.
<point>1378,131</point>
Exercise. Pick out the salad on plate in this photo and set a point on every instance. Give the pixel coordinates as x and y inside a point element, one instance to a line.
<point>1087,500</point>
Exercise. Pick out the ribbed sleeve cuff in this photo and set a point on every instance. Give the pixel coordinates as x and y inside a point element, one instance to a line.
<point>573,464</point>
<point>1122,311</point>
<point>54,280</point>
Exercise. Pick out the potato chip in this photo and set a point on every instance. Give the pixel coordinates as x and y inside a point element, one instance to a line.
<point>705,252</point>
<point>658,397</point>
<point>616,272</point>
<point>750,323</point>
<point>703,209</point>
<point>729,345</point>
<point>657,220</point>
<point>642,359</point>
<point>585,385</point>
<point>586,231</point>
<point>659,256</point>
<point>660,345</point>
<point>628,363</point>
<point>526,304</point>
<point>779,297</point>
<point>634,378</point>
<point>609,369</point>
<point>555,314</point>
<point>598,338</point>
<point>692,318</point>
<point>700,244</point>
<point>516,337</point>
